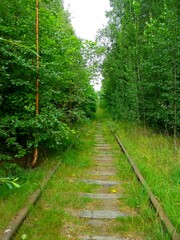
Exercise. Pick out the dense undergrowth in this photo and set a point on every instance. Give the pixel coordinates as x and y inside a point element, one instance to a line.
<point>158,161</point>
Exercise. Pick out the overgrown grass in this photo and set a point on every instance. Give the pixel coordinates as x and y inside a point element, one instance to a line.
<point>52,210</point>
<point>11,200</point>
<point>143,223</point>
<point>52,217</point>
<point>155,157</point>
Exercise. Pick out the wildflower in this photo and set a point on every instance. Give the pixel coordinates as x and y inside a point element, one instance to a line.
<point>113,191</point>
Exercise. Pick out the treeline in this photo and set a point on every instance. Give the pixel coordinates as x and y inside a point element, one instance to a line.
<point>65,94</point>
<point>141,81</point>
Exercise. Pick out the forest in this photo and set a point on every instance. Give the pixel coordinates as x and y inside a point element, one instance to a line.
<point>140,70</point>
<point>53,122</point>
<point>46,74</point>
<point>65,94</point>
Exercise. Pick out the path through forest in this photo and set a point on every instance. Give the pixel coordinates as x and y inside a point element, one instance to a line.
<point>100,215</point>
<point>94,195</point>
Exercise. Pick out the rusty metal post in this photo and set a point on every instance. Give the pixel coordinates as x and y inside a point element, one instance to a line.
<point>37,78</point>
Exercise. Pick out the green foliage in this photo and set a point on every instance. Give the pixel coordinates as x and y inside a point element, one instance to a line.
<point>154,156</point>
<point>93,54</point>
<point>10,182</point>
<point>66,96</point>
<point>141,81</point>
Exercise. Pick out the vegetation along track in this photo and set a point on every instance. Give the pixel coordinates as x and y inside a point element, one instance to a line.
<point>155,203</point>
<point>104,211</point>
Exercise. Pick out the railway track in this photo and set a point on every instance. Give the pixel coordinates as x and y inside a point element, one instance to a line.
<point>153,199</point>
<point>100,217</point>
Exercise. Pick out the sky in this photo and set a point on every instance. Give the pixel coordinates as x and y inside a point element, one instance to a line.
<point>87,16</point>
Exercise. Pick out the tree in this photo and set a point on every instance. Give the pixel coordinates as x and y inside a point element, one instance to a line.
<point>63,79</point>
<point>140,68</point>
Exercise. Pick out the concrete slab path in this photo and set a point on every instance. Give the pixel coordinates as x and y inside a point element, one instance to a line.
<point>105,204</point>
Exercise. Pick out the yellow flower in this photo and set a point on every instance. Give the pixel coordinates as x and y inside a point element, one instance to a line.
<point>113,191</point>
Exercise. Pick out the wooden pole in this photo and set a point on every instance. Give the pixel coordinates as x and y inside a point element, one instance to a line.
<point>37,79</point>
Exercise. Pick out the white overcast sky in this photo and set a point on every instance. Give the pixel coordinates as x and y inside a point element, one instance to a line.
<point>87,16</point>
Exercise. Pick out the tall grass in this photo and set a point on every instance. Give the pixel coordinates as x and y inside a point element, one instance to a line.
<point>154,155</point>
<point>143,222</point>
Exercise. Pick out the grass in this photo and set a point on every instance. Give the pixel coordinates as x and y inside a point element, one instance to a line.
<point>143,224</point>
<point>53,210</point>
<point>53,217</point>
<point>155,157</point>
<point>11,200</point>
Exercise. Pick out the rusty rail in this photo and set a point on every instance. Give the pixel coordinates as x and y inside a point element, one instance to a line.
<point>156,204</point>
<point>15,223</point>
<point>21,215</point>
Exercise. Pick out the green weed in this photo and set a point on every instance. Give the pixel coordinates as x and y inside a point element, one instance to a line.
<point>11,200</point>
<point>143,223</point>
<point>62,194</point>
<point>154,155</point>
